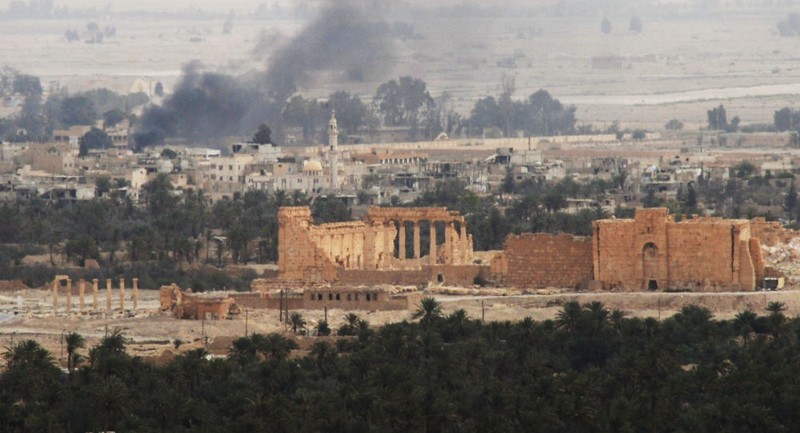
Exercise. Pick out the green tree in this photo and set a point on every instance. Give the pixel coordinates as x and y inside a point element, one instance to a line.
<point>717,119</point>
<point>113,117</point>
<point>429,309</point>
<point>74,341</point>
<point>77,110</point>
<point>401,101</point>
<point>297,322</point>
<point>787,119</point>
<point>27,85</point>
<point>94,139</point>
<point>674,125</point>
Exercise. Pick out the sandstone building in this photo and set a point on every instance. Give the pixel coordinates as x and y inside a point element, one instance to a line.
<point>649,252</point>
<point>384,248</point>
<point>653,251</point>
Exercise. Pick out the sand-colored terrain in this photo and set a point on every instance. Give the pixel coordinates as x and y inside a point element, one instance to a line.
<point>677,67</point>
<point>151,332</point>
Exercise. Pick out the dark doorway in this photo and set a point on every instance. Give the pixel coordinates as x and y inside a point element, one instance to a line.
<point>652,285</point>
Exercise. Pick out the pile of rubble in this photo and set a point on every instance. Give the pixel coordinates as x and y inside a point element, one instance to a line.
<point>783,258</point>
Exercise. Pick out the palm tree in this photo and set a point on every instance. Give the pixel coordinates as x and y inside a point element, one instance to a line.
<point>110,396</point>
<point>297,321</point>
<point>351,319</point>
<point>74,342</point>
<point>27,353</point>
<point>427,310</point>
<point>744,324</point>
<point>598,316</point>
<point>776,307</point>
<point>323,329</point>
<point>459,318</point>
<point>349,327</point>
<point>570,316</point>
<point>276,346</point>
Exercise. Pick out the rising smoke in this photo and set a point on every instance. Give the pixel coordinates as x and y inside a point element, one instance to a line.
<point>205,105</point>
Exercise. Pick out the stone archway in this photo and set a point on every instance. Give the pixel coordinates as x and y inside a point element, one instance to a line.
<point>650,266</point>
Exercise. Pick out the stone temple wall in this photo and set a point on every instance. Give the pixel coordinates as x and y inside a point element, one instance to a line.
<point>387,241</point>
<point>653,252</point>
<point>542,260</point>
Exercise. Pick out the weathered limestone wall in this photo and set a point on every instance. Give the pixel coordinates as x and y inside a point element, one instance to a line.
<point>299,257</point>
<point>342,243</point>
<point>358,299</point>
<point>389,239</point>
<point>456,275</point>
<point>758,258</point>
<point>710,255</point>
<point>653,252</point>
<point>417,277</point>
<point>541,260</point>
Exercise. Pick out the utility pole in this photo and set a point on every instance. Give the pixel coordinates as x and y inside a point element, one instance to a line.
<point>280,308</point>
<point>245,322</point>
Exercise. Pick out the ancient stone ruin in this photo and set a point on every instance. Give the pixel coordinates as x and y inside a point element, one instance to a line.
<point>649,252</point>
<point>197,306</point>
<point>384,248</point>
<point>64,282</point>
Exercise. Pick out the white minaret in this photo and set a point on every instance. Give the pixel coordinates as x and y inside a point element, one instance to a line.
<point>333,142</point>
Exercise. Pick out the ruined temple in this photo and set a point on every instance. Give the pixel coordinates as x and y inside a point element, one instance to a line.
<point>653,251</point>
<point>384,248</point>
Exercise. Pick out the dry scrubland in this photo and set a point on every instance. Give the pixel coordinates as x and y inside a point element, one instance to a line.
<point>676,68</point>
<point>152,332</point>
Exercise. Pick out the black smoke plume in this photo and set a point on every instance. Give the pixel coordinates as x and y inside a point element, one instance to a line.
<point>346,36</point>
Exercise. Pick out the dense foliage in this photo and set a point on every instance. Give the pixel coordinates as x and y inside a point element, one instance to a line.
<point>589,370</point>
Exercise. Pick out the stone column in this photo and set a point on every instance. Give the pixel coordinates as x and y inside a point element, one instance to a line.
<point>432,252</point>
<point>388,247</point>
<point>464,243</point>
<point>122,295</point>
<point>416,240</point>
<point>55,296</point>
<point>69,295</point>
<point>448,242</point>
<point>108,295</point>
<point>402,241</point>
<point>135,294</point>
<point>82,292</point>
<point>369,247</point>
<point>95,289</point>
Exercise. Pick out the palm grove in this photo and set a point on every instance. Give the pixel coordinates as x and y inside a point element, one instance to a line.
<point>590,369</point>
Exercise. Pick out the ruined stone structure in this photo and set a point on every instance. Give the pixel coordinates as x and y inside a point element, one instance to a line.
<point>649,252</point>
<point>653,252</point>
<point>64,282</point>
<point>541,260</point>
<point>771,233</point>
<point>197,306</point>
<point>389,239</point>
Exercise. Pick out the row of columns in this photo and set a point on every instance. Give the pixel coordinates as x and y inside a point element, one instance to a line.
<point>451,239</point>
<point>95,292</point>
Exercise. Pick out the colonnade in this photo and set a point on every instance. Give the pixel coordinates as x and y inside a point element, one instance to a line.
<point>381,236</point>
<point>67,283</point>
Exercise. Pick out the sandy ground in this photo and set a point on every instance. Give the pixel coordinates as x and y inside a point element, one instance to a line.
<point>151,332</point>
<point>675,68</point>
